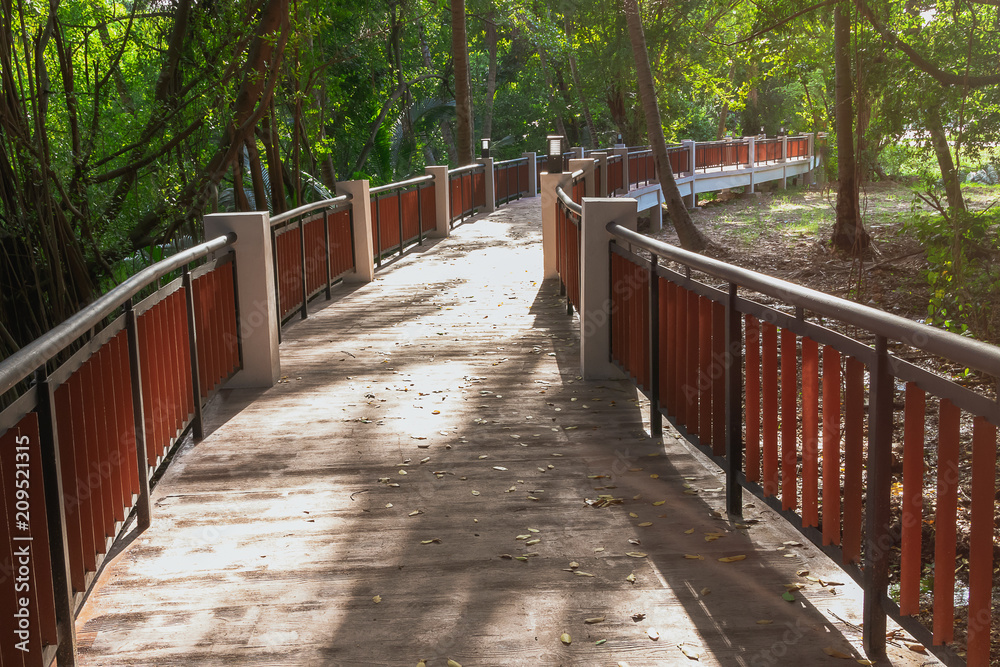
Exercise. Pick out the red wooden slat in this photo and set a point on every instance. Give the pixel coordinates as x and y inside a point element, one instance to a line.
<point>831,446</point>
<point>81,447</point>
<point>126,415</point>
<point>171,356</point>
<point>96,406</point>
<point>643,276</point>
<point>690,388</point>
<point>159,389</point>
<point>752,401</point>
<point>41,565</point>
<point>219,325</point>
<point>912,501</point>
<point>663,287</point>
<point>789,420</point>
<point>200,334</point>
<point>704,369</point>
<point>944,523</point>
<point>810,432</point>
<point>717,373</point>
<point>669,392</point>
<point>109,407</point>
<point>71,495</point>
<point>680,354</point>
<point>854,415</point>
<point>984,461</point>
<point>185,348</point>
<point>769,400</point>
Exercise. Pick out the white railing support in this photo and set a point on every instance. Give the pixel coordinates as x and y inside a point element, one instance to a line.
<point>489,183</point>
<point>532,173</point>
<point>549,198</point>
<point>361,214</point>
<point>595,288</point>
<point>752,156</point>
<point>442,222</point>
<point>588,167</point>
<point>258,307</point>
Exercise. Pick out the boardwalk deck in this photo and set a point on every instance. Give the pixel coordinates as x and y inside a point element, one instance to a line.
<point>449,387</point>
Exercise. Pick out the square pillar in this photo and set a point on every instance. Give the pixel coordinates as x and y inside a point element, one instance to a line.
<point>442,202</point>
<point>257,300</point>
<point>361,213</point>
<point>489,183</point>
<point>549,184</point>
<point>595,288</point>
<point>587,165</point>
<point>577,152</point>
<point>752,156</point>
<point>532,173</point>
<point>692,155</point>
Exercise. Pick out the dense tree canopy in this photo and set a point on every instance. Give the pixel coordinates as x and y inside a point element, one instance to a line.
<point>124,122</point>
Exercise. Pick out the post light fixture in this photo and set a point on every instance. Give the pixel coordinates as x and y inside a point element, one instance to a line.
<point>554,161</point>
<point>619,137</point>
<point>486,147</point>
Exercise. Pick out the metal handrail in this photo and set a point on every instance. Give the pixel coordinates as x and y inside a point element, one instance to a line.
<point>401,184</point>
<point>966,351</point>
<point>307,208</point>
<point>568,201</point>
<point>468,167</point>
<point>32,356</point>
<point>512,161</point>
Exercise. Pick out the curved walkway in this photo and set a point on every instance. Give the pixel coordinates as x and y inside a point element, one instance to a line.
<point>417,488</point>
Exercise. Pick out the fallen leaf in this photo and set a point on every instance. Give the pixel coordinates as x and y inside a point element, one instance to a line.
<point>475,493</point>
<point>565,638</point>
<point>732,559</point>
<point>506,556</point>
<point>432,541</point>
<point>415,512</point>
<point>689,531</point>
<point>834,653</point>
<point>452,663</point>
<point>694,557</point>
<point>705,591</point>
<point>630,578</point>
<point>793,587</point>
<point>788,597</point>
<point>635,554</point>
<point>425,459</point>
<point>377,599</point>
<point>632,540</point>
<point>598,550</point>
<point>917,648</point>
<point>573,564</point>
<point>532,542</point>
<point>658,503</point>
<point>501,468</point>
<point>422,663</point>
<point>633,515</point>
<point>534,530</point>
<point>638,617</point>
<point>764,621</point>
<point>599,642</point>
<point>653,634</point>
<point>863,662</point>
<point>522,537</point>
<point>523,559</point>
<point>689,653</point>
<point>436,412</point>
<point>594,619</point>
<point>645,524</point>
<point>388,505</point>
<point>484,456</point>
<point>655,476</point>
<point>582,573</point>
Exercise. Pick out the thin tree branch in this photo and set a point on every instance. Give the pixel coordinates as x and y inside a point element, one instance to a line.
<point>825,3</point>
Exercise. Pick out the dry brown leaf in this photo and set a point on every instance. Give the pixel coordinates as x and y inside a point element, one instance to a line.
<point>658,503</point>
<point>645,524</point>
<point>635,554</point>
<point>630,578</point>
<point>834,653</point>
<point>565,638</point>
<point>377,599</point>
<point>689,531</point>
<point>917,648</point>
<point>431,541</point>
<point>705,591</point>
<point>694,557</point>
<point>594,619</point>
<point>452,663</point>
<point>732,559</point>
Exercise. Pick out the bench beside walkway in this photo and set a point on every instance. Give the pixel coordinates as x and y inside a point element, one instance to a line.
<point>427,482</point>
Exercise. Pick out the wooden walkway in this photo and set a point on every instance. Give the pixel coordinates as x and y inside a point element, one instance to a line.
<point>417,488</point>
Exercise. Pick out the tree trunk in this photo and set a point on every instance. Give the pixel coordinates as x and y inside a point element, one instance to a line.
<point>849,234</point>
<point>949,173</point>
<point>690,236</point>
<point>491,75</point>
<point>554,107</point>
<point>578,82</point>
<point>463,87</point>
<point>572,125</point>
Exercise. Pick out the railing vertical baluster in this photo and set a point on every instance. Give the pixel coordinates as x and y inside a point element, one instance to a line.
<point>326,249</point>
<point>420,216</point>
<point>399,211</point>
<point>132,333</point>
<point>277,278</point>
<point>304,311</point>
<point>655,416</point>
<point>55,517</point>
<point>198,423</point>
<point>378,233</point>
<point>877,510</point>
<point>734,404</point>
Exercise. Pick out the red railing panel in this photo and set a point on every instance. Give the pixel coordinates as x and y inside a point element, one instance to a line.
<point>854,416</point>
<point>89,500</point>
<point>681,359</point>
<point>769,369</point>
<point>752,401</point>
<point>663,309</point>
<point>831,446</point>
<point>341,243</point>
<point>668,393</point>
<point>984,461</point>
<point>691,381</point>
<point>945,534</point>
<point>912,501</point>
<point>71,492</point>
<point>810,432</point>
<point>703,384</point>
<point>112,438</point>
<point>789,420</point>
<point>717,375</point>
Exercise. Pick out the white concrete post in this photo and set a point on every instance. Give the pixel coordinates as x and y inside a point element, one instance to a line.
<point>692,155</point>
<point>258,307</point>
<point>532,173</point>
<point>364,247</point>
<point>752,153</point>
<point>442,202</point>
<point>587,165</point>
<point>490,183</point>
<point>601,159</point>
<point>807,178</point>
<point>783,181</point>
<point>622,149</point>
<point>549,184</point>
<point>595,290</point>
<point>691,200</point>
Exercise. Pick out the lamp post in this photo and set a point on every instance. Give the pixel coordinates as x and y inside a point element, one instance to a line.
<point>554,154</point>
<point>485,147</point>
